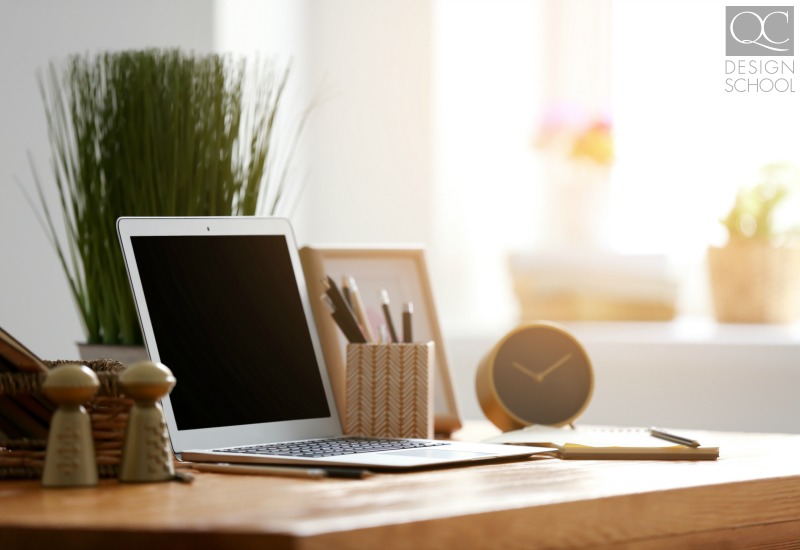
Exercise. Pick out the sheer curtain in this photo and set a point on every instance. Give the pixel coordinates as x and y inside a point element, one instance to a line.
<point>498,67</point>
<point>487,86</point>
<point>431,108</point>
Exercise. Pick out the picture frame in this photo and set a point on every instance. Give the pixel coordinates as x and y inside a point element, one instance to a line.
<point>403,273</point>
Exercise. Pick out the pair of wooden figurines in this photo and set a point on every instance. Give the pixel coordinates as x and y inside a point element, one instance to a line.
<point>146,454</point>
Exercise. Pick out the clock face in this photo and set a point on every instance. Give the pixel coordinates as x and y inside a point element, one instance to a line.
<point>542,375</point>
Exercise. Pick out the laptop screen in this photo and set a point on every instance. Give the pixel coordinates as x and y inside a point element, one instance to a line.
<point>228,320</point>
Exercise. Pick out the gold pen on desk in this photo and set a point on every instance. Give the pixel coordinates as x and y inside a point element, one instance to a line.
<point>666,436</point>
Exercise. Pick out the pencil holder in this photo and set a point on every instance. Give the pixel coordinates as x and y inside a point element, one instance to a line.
<point>390,390</point>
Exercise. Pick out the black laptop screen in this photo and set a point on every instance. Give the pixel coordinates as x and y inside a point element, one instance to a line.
<point>229,322</point>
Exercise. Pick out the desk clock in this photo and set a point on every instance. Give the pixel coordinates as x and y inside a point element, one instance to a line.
<point>536,374</point>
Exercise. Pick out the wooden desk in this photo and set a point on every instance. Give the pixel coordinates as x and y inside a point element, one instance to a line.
<point>752,494</point>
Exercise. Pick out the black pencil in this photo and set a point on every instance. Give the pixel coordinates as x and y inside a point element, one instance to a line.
<point>387,313</point>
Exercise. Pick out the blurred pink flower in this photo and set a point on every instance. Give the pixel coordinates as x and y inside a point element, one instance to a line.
<point>569,131</point>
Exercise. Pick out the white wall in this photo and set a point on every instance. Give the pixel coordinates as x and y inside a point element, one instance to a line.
<point>370,140</point>
<point>35,303</point>
<point>367,152</point>
<point>486,186</point>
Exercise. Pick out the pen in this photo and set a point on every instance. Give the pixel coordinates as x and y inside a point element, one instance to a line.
<point>345,322</point>
<point>666,436</point>
<point>358,308</point>
<point>284,471</point>
<point>387,313</point>
<point>408,311</point>
<point>346,291</point>
<point>342,313</point>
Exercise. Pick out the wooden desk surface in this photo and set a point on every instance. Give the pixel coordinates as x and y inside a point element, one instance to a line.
<point>752,493</point>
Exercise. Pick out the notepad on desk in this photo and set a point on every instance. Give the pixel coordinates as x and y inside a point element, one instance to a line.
<point>605,443</point>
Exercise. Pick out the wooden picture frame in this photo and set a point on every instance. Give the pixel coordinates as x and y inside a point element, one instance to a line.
<point>403,273</point>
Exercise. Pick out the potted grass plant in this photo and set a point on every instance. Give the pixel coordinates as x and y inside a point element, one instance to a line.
<point>155,133</point>
<point>755,277</point>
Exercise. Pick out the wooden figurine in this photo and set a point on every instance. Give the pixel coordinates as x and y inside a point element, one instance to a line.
<point>146,454</point>
<point>70,459</point>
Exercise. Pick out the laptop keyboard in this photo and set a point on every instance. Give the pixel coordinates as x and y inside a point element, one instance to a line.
<point>319,448</point>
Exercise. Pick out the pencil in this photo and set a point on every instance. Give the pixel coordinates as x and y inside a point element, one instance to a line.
<point>408,311</point>
<point>387,313</point>
<point>359,310</point>
<point>673,438</point>
<point>343,313</point>
<point>348,325</point>
<point>346,291</point>
<point>283,471</point>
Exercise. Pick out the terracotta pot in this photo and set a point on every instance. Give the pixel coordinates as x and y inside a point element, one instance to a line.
<point>755,282</point>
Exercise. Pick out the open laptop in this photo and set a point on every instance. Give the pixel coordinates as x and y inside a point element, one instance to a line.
<point>222,302</point>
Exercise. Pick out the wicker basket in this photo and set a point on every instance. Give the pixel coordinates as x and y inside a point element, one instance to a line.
<point>753,282</point>
<point>24,458</point>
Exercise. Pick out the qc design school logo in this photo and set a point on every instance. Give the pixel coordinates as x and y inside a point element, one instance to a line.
<point>759,30</point>
<point>761,39</point>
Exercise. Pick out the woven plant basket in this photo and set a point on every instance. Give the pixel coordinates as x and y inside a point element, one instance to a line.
<point>755,282</point>
<point>24,458</point>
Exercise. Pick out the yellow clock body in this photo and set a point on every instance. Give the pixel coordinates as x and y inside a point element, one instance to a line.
<point>536,374</point>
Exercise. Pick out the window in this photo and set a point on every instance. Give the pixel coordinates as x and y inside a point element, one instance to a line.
<point>431,110</point>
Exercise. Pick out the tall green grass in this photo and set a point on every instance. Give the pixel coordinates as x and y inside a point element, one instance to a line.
<point>155,133</point>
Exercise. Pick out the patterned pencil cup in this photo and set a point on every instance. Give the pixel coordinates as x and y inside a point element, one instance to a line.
<point>390,390</point>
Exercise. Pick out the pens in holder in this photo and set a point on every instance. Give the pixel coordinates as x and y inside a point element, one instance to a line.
<point>346,291</point>
<point>345,322</point>
<point>387,313</point>
<point>359,310</point>
<point>408,311</point>
<point>342,313</point>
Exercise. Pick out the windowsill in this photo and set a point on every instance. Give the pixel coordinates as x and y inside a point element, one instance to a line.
<point>682,330</point>
<point>688,373</point>
<point>686,330</point>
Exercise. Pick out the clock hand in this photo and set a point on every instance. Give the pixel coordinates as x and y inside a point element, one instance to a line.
<point>540,376</point>
<point>526,371</point>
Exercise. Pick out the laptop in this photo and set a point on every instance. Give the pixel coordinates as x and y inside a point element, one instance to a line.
<point>222,302</point>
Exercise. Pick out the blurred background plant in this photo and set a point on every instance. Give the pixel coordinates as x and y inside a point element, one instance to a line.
<point>755,277</point>
<point>156,133</point>
<point>767,210</point>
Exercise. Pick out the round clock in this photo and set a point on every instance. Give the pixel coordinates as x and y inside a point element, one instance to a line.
<point>536,374</point>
